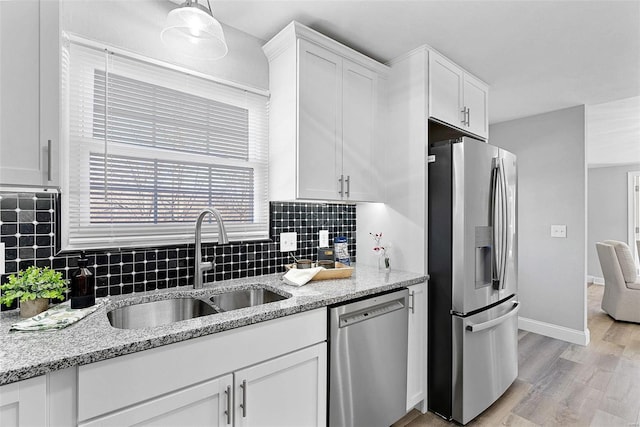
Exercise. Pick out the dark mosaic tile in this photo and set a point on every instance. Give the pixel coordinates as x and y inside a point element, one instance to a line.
<point>26,241</point>
<point>43,217</point>
<point>8,229</point>
<point>26,253</point>
<point>8,203</point>
<point>9,241</point>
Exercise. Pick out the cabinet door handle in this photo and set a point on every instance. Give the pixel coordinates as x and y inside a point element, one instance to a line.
<point>243,405</point>
<point>464,115</point>
<point>412,303</point>
<point>229,407</point>
<point>348,186</point>
<point>341,181</point>
<point>468,116</point>
<point>48,160</point>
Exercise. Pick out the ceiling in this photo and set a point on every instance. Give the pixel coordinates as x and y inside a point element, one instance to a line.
<point>537,56</point>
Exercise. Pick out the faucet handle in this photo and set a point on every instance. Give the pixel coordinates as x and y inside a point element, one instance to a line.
<point>206,265</point>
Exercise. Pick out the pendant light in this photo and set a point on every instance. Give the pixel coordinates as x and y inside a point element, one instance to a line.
<point>192,30</point>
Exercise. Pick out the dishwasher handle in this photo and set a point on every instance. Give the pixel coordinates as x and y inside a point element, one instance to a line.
<point>351,318</point>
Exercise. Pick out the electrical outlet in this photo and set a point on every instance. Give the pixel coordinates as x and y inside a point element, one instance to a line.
<point>323,236</point>
<point>288,242</point>
<point>2,258</point>
<point>559,231</point>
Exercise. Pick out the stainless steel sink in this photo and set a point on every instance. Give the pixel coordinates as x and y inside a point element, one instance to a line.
<point>158,313</point>
<point>245,298</point>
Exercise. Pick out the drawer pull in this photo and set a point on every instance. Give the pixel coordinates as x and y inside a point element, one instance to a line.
<point>243,405</point>
<point>227,412</point>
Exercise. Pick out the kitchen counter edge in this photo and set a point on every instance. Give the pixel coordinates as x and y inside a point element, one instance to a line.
<point>25,355</point>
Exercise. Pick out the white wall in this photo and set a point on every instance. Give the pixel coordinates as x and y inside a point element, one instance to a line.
<point>607,209</point>
<point>551,190</point>
<point>402,218</point>
<point>136,25</point>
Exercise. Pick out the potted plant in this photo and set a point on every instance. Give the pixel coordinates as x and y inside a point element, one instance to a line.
<point>33,287</point>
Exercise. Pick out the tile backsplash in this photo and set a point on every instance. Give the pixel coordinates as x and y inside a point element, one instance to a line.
<point>28,229</point>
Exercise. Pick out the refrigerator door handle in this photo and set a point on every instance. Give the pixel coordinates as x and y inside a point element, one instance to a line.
<point>477,327</point>
<point>504,224</point>
<point>495,268</point>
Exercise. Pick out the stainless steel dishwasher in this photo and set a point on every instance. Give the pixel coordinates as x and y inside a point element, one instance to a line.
<point>368,361</point>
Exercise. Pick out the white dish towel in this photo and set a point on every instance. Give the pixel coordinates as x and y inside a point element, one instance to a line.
<point>57,317</point>
<point>300,276</point>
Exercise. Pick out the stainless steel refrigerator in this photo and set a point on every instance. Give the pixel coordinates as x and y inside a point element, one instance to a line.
<point>473,302</point>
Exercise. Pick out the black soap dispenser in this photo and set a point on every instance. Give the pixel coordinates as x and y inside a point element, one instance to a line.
<point>82,285</point>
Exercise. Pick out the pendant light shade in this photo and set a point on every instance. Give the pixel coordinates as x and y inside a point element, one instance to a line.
<point>192,30</point>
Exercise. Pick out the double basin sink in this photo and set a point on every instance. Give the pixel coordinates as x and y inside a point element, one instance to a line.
<point>167,311</point>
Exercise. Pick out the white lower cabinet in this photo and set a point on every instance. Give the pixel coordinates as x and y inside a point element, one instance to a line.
<point>45,400</point>
<point>267,374</point>
<point>22,403</point>
<point>416,355</point>
<point>203,404</point>
<point>287,391</point>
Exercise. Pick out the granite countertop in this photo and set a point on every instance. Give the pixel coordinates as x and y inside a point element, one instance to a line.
<point>28,354</point>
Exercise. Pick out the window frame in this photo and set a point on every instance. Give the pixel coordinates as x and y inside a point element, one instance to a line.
<point>119,235</point>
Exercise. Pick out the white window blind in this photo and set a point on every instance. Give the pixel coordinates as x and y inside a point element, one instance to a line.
<point>148,147</point>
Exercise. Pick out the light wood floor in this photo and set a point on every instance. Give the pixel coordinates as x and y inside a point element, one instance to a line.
<point>561,384</point>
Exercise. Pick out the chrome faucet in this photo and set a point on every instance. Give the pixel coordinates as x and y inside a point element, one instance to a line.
<point>202,266</point>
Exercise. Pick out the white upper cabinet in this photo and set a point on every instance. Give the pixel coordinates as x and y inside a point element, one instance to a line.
<point>475,100</point>
<point>445,80</point>
<point>325,118</point>
<point>29,93</point>
<point>360,111</point>
<point>319,123</point>
<point>456,97</point>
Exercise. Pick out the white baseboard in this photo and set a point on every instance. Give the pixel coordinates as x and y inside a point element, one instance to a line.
<point>554,331</point>
<point>595,280</point>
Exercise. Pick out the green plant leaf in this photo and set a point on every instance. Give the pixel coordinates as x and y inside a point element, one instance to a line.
<point>32,283</point>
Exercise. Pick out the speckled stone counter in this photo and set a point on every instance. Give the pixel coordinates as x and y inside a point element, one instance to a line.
<point>27,354</point>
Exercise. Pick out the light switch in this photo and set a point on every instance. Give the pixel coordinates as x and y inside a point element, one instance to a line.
<point>559,231</point>
<point>2,258</point>
<point>288,242</point>
<point>323,237</point>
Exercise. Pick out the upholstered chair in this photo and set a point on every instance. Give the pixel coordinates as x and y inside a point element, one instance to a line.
<point>621,298</point>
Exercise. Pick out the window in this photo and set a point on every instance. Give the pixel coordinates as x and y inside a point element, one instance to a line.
<point>149,146</point>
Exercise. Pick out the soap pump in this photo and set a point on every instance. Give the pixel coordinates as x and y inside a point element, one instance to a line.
<point>82,285</point>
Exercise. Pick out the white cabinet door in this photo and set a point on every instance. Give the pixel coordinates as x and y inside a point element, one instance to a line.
<point>456,97</point>
<point>287,391</point>
<point>332,135</point>
<point>29,81</point>
<point>445,85</point>
<point>475,95</point>
<point>50,69</point>
<point>21,155</point>
<point>359,112</point>
<point>319,122</point>
<point>417,356</point>
<point>205,404</point>
<point>22,404</point>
